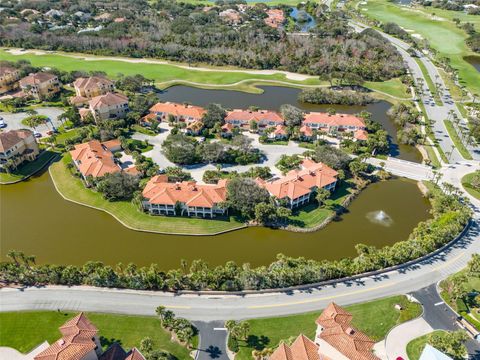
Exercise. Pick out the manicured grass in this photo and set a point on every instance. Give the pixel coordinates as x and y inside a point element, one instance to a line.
<point>312,215</point>
<point>26,330</point>
<point>466,182</point>
<point>27,168</point>
<point>166,75</point>
<point>432,156</point>
<point>143,130</point>
<point>435,30</point>
<point>73,189</point>
<point>416,346</point>
<point>430,84</point>
<point>456,140</point>
<point>64,136</point>
<point>374,318</point>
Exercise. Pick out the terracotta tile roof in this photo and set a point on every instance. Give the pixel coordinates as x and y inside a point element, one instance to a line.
<point>360,134</point>
<point>333,120</point>
<point>159,191</point>
<point>306,130</point>
<point>227,128</point>
<point>134,354</point>
<point>195,126</point>
<point>112,144</point>
<point>280,130</point>
<point>78,100</point>
<point>107,100</point>
<point>302,349</point>
<point>92,82</point>
<point>5,70</point>
<point>340,334</point>
<point>75,343</point>
<point>149,118</point>
<point>249,115</point>
<point>8,139</point>
<point>275,17</point>
<point>94,159</point>
<point>301,182</point>
<point>35,79</point>
<point>179,110</point>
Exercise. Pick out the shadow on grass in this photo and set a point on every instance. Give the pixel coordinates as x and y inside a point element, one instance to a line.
<point>257,342</point>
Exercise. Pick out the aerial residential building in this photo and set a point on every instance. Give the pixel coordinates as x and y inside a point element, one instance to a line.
<point>194,128</point>
<point>275,18</point>
<point>279,133</point>
<point>40,85</point>
<point>108,106</point>
<point>231,16</point>
<point>297,187</point>
<point>335,339</point>
<point>227,130</point>
<point>80,341</point>
<point>180,112</point>
<point>306,133</point>
<point>264,118</point>
<point>360,135</point>
<point>333,122</point>
<point>187,198</point>
<point>95,159</point>
<point>92,86</point>
<point>18,146</point>
<point>9,77</point>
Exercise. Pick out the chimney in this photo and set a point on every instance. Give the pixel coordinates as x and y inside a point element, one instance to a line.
<point>350,331</point>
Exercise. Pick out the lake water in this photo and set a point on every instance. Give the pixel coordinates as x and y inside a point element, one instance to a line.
<point>37,220</point>
<point>275,96</point>
<point>474,60</point>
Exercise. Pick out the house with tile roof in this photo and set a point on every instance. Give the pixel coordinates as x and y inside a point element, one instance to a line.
<point>94,158</point>
<point>331,123</point>
<point>80,341</point>
<point>180,112</point>
<point>107,106</point>
<point>335,339</point>
<point>278,133</point>
<point>264,118</point>
<point>296,188</point>
<point>18,146</point>
<point>92,86</point>
<point>275,18</point>
<point>306,133</point>
<point>9,77</point>
<point>40,85</point>
<point>338,339</point>
<point>187,197</point>
<point>194,128</point>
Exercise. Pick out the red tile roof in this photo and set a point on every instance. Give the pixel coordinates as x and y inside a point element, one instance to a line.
<point>301,182</point>
<point>92,82</point>
<point>340,334</point>
<point>275,17</point>
<point>35,79</point>
<point>159,191</point>
<point>107,100</point>
<point>360,134</point>
<point>10,138</point>
<point>302,349</point>
<point>178,110</point>
<point>75,343</point>
<point>249,115</point>
<point>280,130</point>
<point>306,130</point>
<point>134,354</point>
<point>92,158</point>
<point>340,120</point>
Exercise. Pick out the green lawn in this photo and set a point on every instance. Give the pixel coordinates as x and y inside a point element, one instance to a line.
<point>374,318</point>
<point>73,189</point>
<point>27,168</point>
<point>430,84</point>
<point>456,140</point>
<point>432,155</point>
<point>441,32</point>
<point>312,215</point>
<point>415,347</point>
<point>170,74</point>
<point>25,330</point>
<point>466,184</point>
<point>70,134</point>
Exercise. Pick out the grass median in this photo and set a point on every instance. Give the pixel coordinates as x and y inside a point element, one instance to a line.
<point>375,318</point>
<point>467,184</point>
<point>457,141</point>
<point>72,188</point>
<point>25,330</point>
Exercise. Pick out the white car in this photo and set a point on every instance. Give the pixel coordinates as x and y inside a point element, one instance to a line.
<point>2,123</point>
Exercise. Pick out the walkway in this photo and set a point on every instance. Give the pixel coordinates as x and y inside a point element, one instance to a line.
<point>8,353</point>
<point>398,338</point>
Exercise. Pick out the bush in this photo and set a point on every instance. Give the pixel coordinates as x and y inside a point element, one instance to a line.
<point>233,344</point>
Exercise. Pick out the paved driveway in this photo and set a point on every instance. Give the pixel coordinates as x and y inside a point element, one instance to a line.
<point>14,121</point>
<point>213,341</point>
<point>8,353</point>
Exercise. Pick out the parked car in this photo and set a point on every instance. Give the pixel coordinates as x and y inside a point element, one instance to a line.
<point>37,134</point>
<point>2,123</point>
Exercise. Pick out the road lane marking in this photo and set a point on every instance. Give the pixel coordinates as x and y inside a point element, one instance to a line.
<point>322,298</point>
<point>448,262</point>
<point>177,307</point>
<point>220,329</point>
<point>439,303</point>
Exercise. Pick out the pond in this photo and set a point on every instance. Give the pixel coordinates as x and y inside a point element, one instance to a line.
<point>275,96</point>
<point>37,220</point>
<point>302,19</point>
<point>474,60</point>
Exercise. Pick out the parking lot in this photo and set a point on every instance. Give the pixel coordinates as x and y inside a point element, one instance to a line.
<point>14,121</point>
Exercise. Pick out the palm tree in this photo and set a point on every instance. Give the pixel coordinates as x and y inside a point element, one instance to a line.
<point>160,311</point>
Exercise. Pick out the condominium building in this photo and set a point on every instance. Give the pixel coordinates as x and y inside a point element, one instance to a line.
<point>40,85</point>
<point>108,106</point>
<point>92,86</point>
<point>180,112</point>
<point>18,146</point>
<point>184,198</point>
<point>9,77</point>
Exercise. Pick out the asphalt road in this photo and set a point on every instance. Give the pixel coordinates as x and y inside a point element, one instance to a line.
<point>440,317</point>
<point>213,340</point>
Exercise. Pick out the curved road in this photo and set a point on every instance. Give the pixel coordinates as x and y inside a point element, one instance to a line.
<point>214,307</point>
